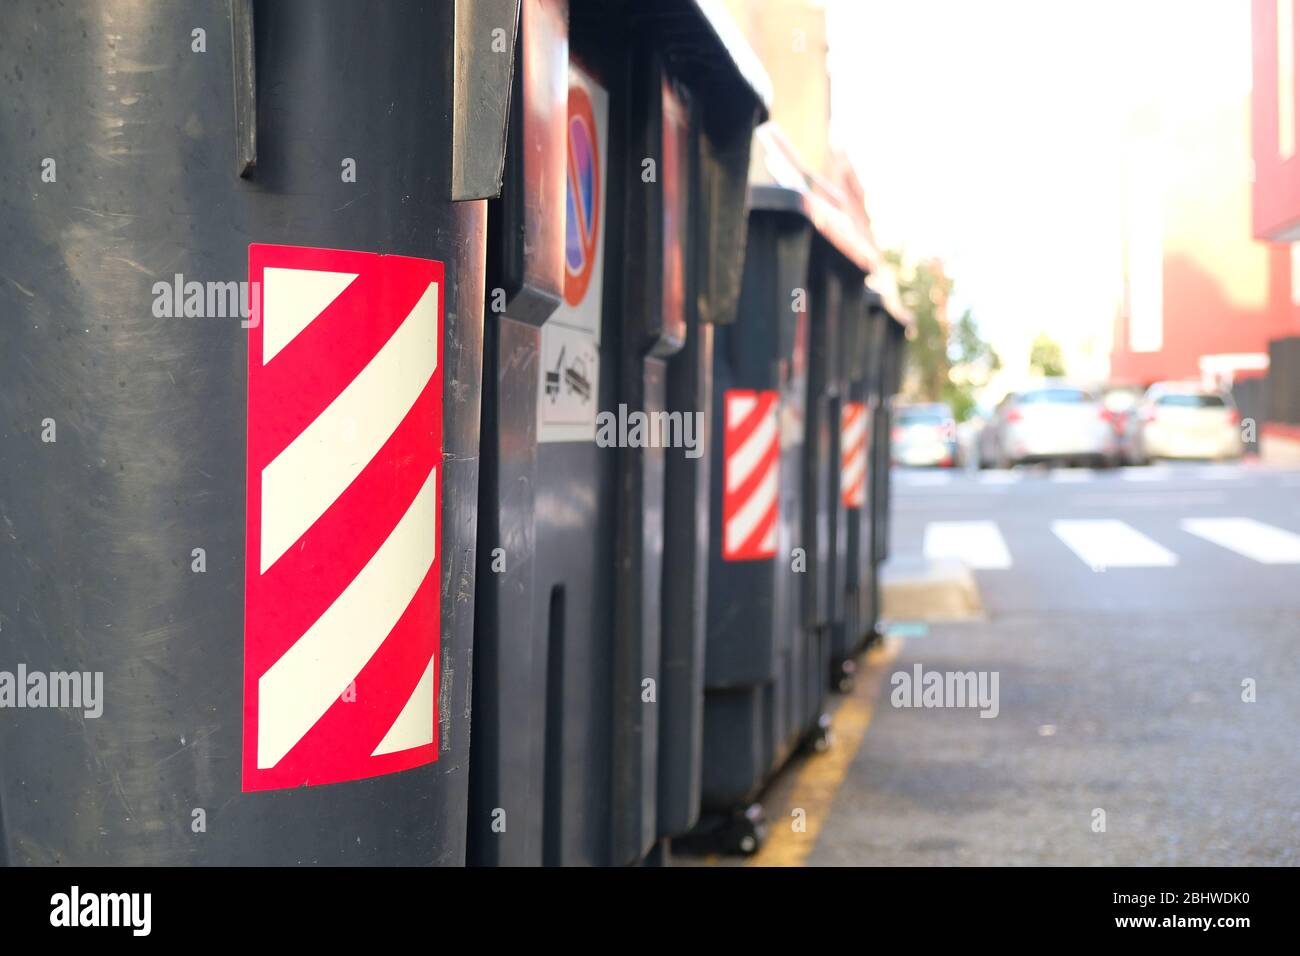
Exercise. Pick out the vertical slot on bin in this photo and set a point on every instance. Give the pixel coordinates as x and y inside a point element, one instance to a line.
<point>553,765</point>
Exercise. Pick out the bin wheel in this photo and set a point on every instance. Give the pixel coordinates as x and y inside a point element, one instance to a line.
<point>845,675</point>
<point>737,832</point>
<point>746,831</point>
<point>820,737</point>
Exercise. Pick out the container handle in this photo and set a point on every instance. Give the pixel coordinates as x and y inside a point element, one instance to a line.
<point>241,30</point>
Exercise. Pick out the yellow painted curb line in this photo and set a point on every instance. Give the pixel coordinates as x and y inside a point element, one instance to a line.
<point>820,777</point>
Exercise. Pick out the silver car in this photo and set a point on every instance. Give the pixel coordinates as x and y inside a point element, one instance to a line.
<point>1180,420</point>
<point>1055,423</point>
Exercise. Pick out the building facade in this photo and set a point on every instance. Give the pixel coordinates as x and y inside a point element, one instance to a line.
<point>1203,293</point>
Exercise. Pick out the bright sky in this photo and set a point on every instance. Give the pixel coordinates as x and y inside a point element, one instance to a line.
<point>990,133</point>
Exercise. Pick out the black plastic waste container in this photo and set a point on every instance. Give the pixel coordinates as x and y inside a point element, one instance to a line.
<point>754,599</point>
<point>239,409</point>
<point>877,332</point>
<point>891,370</point>
<point>779,383</point>
<point>848,629</point>
<point>613,250</point>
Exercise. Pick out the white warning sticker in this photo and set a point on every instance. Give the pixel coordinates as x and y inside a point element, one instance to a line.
<point>570,380</point>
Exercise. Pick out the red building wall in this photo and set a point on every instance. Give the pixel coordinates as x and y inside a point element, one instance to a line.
<point>1200,321</point>
<point>1223,291</point>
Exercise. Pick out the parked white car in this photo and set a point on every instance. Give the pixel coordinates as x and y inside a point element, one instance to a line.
<point>1054,423</point>
<point>1182,420</point>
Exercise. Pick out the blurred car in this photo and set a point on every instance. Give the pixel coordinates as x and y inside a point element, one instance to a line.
<point>1122,403</point>
<point>988,441</point>
<point>1187,420</point>
<point>924,434</point>
<point>970,435</point>
<point>1053,423</point>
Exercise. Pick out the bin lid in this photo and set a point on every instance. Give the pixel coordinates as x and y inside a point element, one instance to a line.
<point>704,43</point>
<point>779,182</point>
<point>882,293</point>
<point>738,51</point>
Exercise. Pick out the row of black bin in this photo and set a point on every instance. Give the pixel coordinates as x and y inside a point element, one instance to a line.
<point>631,639</point>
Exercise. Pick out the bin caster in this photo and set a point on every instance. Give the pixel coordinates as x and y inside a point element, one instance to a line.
<point>745,832</point>
<point>820,737</point>
<point>740,832</point>
<point>844,675</point>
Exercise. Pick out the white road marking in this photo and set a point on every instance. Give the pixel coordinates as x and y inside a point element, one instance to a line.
<point>1219,472</point>
<point>925,478</point>
<point>1000,477</point>
<point>1248,537</point>
<point>1111,543</point>
<point>977,544</point>
<point>1149,473</point>
<point>1073,476</point>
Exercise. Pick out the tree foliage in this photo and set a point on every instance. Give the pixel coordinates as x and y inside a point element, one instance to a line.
<point>946,364</point>
<point>1045,357</point>
<point>923,290</point>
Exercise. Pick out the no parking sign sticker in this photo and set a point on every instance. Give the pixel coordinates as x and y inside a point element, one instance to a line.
<point>569,380</point>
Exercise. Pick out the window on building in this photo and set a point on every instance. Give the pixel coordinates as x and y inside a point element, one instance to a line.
<point>1286,78</point>
<point>1295,273</point>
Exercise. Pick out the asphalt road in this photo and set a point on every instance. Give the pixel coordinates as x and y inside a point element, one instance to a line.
<point>1124,610</point>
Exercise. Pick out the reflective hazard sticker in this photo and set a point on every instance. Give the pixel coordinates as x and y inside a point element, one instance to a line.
<point>751,451</point>
<point>341,619</point>
<point>853,454</point>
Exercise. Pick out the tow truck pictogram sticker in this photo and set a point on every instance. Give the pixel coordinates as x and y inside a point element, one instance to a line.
<point>575,376</point>
<point>553,378</point>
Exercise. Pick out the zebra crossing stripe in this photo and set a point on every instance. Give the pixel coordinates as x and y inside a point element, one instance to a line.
<point>999,477</point>
<point>977,544</point>
<point>1072,476</point>
<point>1248,537</point>
<point>1111,543</point>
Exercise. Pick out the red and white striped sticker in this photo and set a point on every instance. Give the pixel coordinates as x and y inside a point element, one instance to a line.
<point>853,454</point>
<point>751,457</point>
<point>341,620</point>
